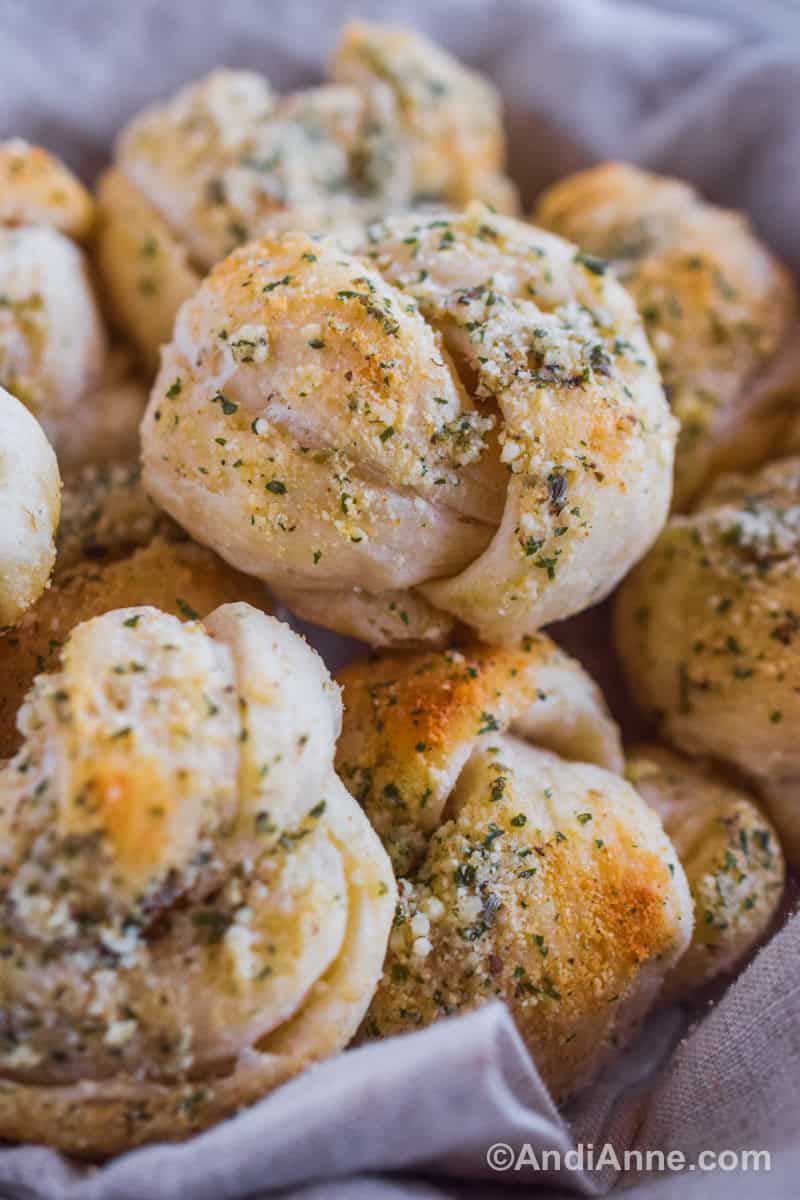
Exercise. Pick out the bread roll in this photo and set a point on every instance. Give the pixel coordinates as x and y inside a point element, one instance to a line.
<point>719,308</point>
<point>54,354</point>
<point>450,118</point>
<point>37,189</point>
<point>707,629</point>
<point>730,853</point>
<point>226,160</point>
<point>466,413</point>
<point>529,870</point>
<point>197,908</point>
<point>52,342</point>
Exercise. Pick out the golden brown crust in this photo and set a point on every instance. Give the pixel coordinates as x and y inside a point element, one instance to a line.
<point>37,189</point>
<point>569,935</point>
<point>413,721</point>
<point>730,853</point>
<point>176,577</point>
<point>144,268</point>
<point>527,877</point>
<point>717,305</point>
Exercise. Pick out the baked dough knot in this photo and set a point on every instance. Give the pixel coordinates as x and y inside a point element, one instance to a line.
<point>731,855</point>
<point>54,352</point>
<point>707,628</point>
<point>720,310</point>
<point>529,870</point>
<point>461,423</point>
<point>52,344</point>
<point>194,907</point>
<point>399,123</point>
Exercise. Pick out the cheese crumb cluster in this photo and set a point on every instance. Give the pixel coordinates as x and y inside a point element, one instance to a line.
<point>193,907</point>
<point>707,627</point>
<point>730,852</point>
<point>717,306</point>
<point>30,501</point>
<point>529,870</point>
<point>226,159</point>
<point>462,422</point>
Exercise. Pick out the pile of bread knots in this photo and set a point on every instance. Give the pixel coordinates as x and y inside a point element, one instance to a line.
<point>305,350</point>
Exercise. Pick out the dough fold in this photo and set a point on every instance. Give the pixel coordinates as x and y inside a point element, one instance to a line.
<point>466,411</point>
<point>529,870</point>
<point>198,909</point>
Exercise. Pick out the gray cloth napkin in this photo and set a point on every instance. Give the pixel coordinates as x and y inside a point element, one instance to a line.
<point>715,99</point>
